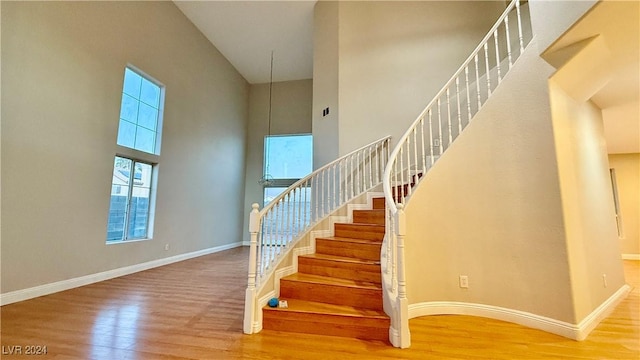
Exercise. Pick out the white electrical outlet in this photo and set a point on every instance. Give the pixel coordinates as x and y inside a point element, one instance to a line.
<point>464,281</point>
<point>166,247</point>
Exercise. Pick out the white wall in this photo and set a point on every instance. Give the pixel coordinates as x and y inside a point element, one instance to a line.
<point>62,66</point>
<point>291,114</point>
<point>395,56</point>
<point>627,168</point>
<point>490,208</point>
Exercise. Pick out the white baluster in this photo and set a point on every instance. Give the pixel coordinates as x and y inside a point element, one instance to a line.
<point>301,191</point>
<point>415,153</point>
<point>458,103</point>
<point>336,183</point>
<point>409,176</point>
<point>322,196</point>
<point>316,215</point>
<point>307,189</point>
<point>440,126</point>
<point>342,182</point>
<point>486,58</point>
<point>401,197</point>
<point>466,80</point>
<point>352,184</point>
<point>424,154</point>
<point>506,26</point>
<point>376,171</point>
<point>495,38</point>
<point>370,169</point>
<point>358,167</point>
<point>431,138</point>
<point>477,81</point>
<point>520,37</point>
<point>330,188</point>
<point>449,117</point>
<point>289,219</point>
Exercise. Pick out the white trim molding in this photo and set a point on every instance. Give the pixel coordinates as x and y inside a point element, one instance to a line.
<point>631,257</point>
<point>46,289</point>
<point>573,331</point>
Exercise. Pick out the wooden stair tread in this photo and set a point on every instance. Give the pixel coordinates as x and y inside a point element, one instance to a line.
<point>377,227</point>
<point>312,307</point>
<point>342,259</point>
<point>350,240</point>
<point>319,279</point>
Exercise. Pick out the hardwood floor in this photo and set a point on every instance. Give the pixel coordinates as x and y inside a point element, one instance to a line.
<point>194,310</point>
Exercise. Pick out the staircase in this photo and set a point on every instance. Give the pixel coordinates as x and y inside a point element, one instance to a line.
<point>337,291</point>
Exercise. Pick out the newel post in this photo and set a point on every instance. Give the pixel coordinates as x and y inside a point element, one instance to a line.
<point>403,303</point>
<point>250,295</point>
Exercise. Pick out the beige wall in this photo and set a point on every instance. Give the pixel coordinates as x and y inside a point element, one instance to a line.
<point>550,19</point>
<point>325,83</point>
<point>395,56</point>
<point>62,66</point>
<point>588,208</point>
<point>291,114</point>
<point>378,63</point>
<point>490,208</point>
<point>627,168</point>
<point>592,244</point>
<point>622,126</point>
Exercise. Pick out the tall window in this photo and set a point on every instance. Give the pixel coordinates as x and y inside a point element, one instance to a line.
<point>130,200</point>
<point>140,113</point>
<point>140,128</point>
<point>287,158</point>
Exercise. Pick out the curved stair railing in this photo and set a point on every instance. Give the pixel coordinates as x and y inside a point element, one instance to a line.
<point>278,226</point>
<point>444,118</point>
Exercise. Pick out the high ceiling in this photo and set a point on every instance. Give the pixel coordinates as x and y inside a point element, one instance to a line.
<point>246,32</point>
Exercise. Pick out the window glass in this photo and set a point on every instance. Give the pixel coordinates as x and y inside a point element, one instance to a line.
<point>140,111</point>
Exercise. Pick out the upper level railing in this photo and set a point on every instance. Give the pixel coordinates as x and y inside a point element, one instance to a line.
<point>278,225</point>
<point>435,129</point>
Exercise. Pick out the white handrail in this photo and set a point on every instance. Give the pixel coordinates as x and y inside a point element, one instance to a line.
<point>445,117</point>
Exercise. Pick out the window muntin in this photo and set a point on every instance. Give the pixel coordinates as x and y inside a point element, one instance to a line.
<point>140,113</point>
<point>130,204</point>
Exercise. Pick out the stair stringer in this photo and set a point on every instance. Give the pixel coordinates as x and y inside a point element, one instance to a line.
<point>305,245</point>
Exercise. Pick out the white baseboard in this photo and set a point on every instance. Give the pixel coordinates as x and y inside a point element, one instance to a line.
<point>46,289</point>
<point>573,331</point>
<point>631,257</point>
<point>596,316</point>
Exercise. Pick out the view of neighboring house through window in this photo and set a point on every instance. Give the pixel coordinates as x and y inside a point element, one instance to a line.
<point>140,128</point>
<point>130,200</point>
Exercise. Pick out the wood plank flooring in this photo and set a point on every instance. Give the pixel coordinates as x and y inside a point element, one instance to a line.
<point>194,309</point>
